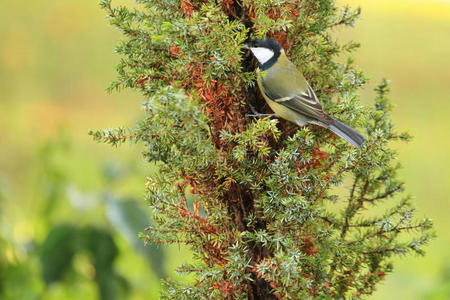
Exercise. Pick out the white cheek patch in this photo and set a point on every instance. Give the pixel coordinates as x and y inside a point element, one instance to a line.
<point>263,55</point>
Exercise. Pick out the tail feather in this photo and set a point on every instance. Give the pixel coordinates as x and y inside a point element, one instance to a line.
<point>347,133</point>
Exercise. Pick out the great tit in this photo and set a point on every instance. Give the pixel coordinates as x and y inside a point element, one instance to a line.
<point>288,93</point>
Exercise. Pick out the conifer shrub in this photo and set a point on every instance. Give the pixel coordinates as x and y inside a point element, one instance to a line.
<point>270,210</point>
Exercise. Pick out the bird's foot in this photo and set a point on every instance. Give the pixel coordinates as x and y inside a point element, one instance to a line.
<point>257,114</point>
<point>260,115</point>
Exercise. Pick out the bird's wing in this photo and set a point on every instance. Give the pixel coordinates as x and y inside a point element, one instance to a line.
<point>305,103</point>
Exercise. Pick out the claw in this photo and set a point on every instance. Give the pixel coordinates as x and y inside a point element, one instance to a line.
<point>257,114</point>
<point>260,115</point>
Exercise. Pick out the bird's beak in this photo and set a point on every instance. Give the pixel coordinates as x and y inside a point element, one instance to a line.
<point>246,46</point>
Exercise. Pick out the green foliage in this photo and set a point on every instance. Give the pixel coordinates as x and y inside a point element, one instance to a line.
<point>77,252</point>
<point>65,241</point>
<point>103,251</point>
<point>258,200</point>
<point>57,252</point>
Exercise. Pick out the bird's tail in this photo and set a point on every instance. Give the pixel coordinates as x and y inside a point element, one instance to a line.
<point>347,133</point>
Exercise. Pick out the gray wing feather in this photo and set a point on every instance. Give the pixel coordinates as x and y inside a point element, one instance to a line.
<point>305,103</point>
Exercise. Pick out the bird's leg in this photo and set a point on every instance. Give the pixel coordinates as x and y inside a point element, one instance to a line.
<point>257,114</point>
<point>260,115</point>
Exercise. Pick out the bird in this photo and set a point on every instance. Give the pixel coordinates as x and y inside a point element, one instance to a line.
<point>289,95</point>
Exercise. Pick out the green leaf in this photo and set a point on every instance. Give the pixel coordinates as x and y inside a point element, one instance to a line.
<point>57,252</point>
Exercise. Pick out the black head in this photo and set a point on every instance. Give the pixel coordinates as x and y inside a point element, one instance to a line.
<point>266,51</point>
<point>267,43</point>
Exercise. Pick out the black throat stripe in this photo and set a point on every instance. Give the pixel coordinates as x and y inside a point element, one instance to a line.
<point>271,61</point>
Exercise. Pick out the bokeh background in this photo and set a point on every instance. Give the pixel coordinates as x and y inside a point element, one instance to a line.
<point>63,197</point>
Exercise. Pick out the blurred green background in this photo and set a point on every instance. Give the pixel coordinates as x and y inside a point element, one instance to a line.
<point>64,197</point>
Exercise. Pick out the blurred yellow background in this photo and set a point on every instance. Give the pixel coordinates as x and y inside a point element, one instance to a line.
<point>57,58</point>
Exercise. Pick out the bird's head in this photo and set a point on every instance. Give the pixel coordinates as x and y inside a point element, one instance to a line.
<point>266,51</point>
